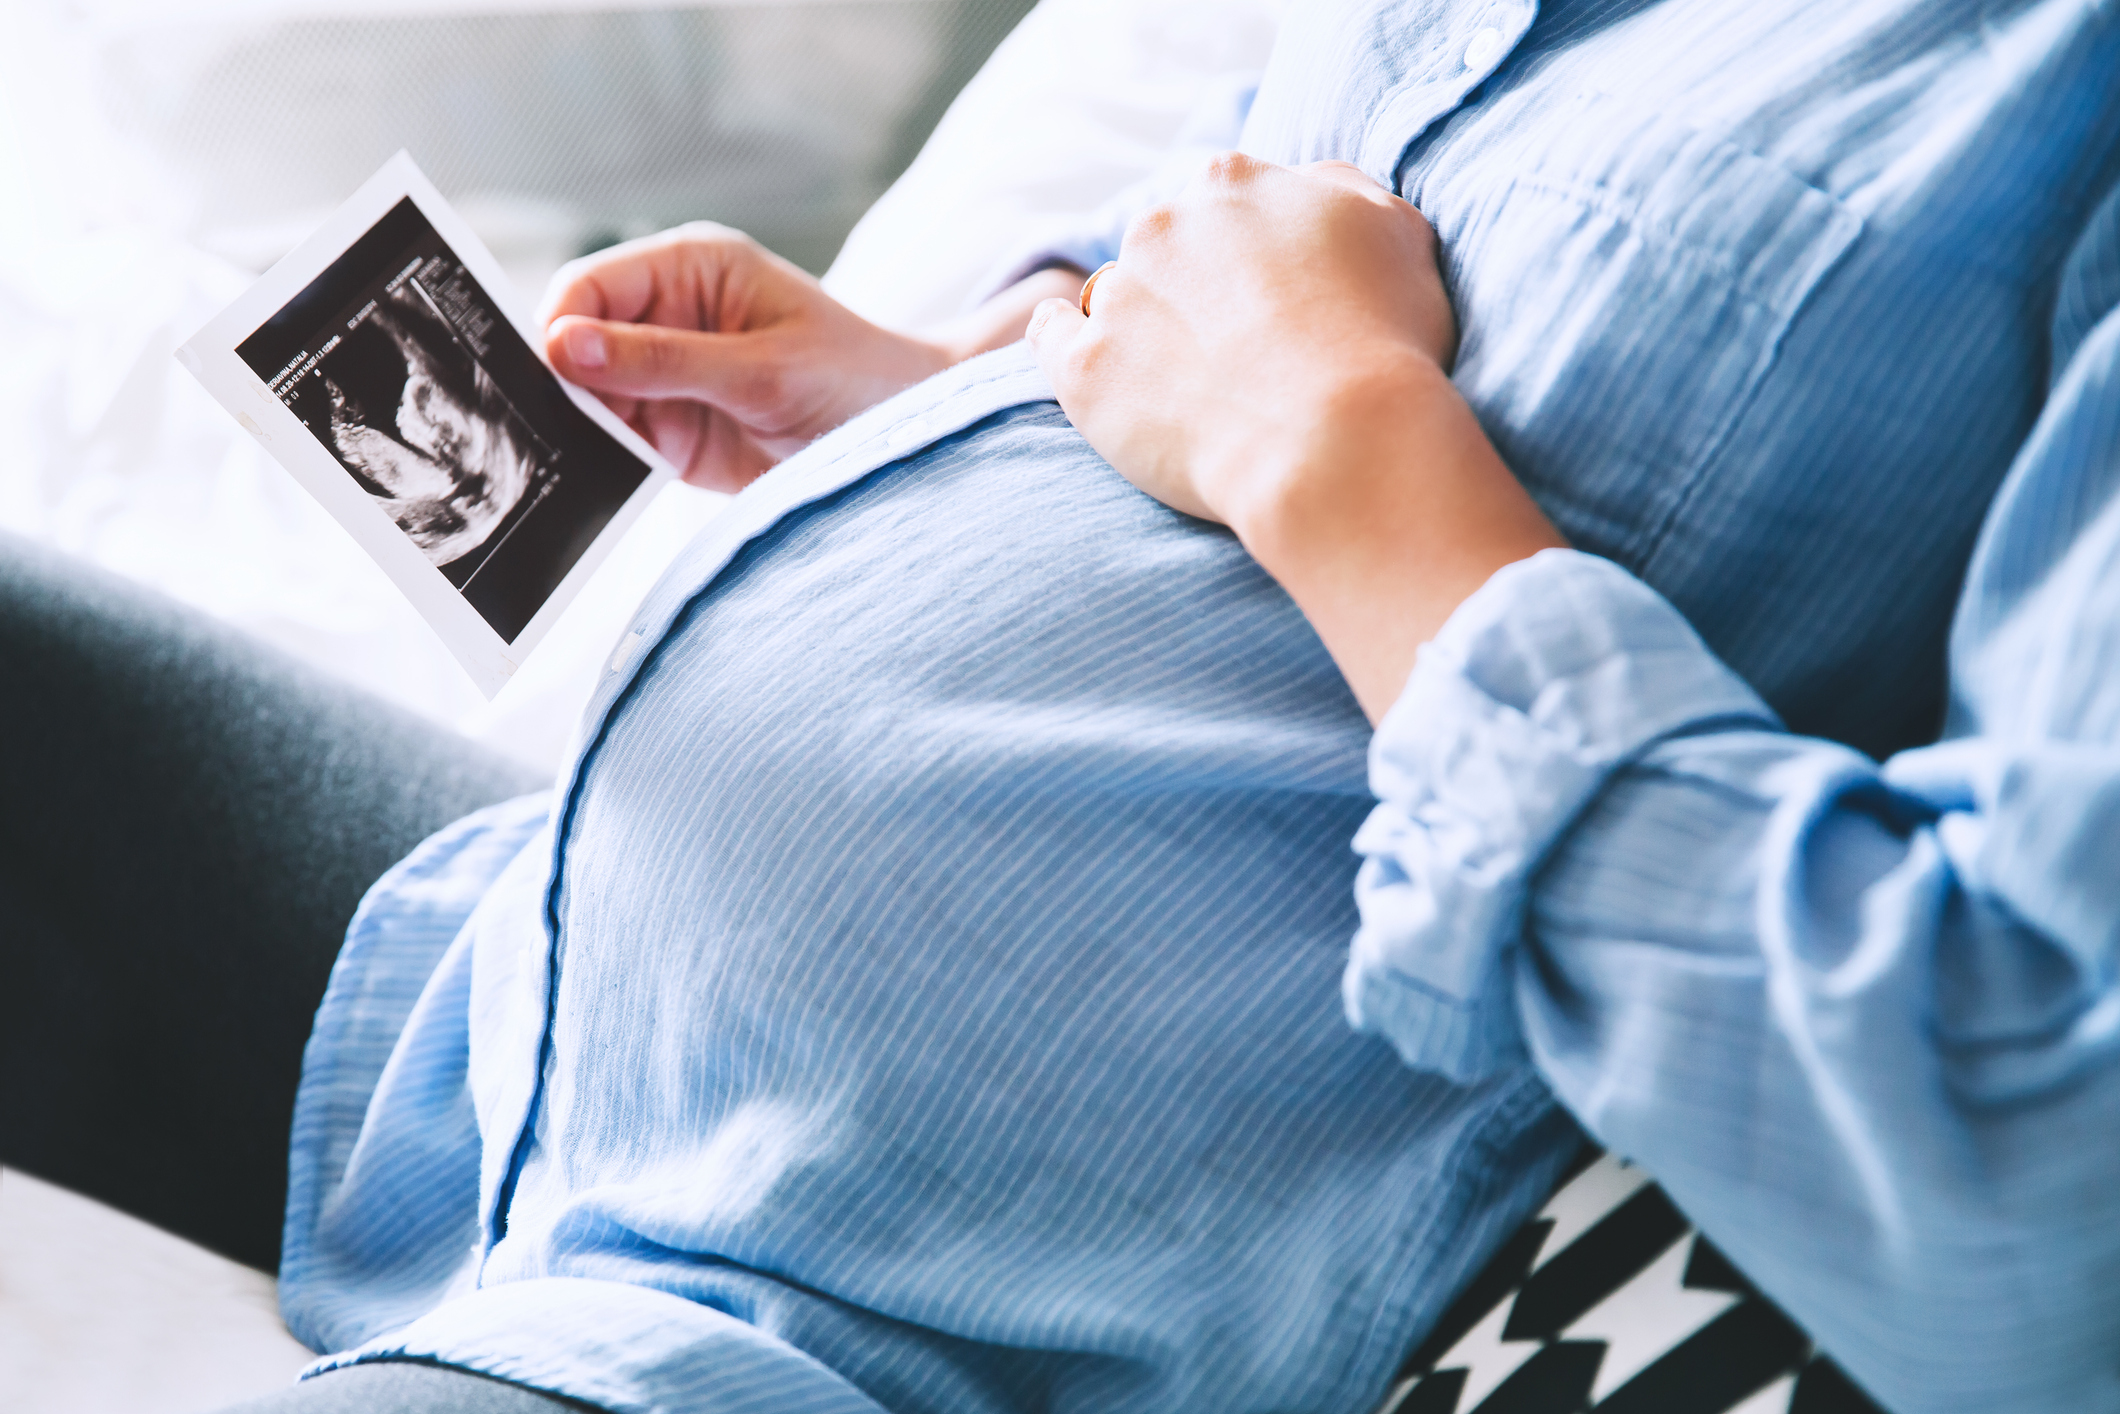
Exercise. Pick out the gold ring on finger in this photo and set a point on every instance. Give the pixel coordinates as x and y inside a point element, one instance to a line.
<point>1091,284</point>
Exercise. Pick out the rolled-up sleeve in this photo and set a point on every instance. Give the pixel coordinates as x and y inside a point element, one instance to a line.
<point>1563,670</point>
<point>1861,1019</point>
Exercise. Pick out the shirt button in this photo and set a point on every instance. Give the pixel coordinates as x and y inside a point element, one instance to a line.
<point>1485,48</point>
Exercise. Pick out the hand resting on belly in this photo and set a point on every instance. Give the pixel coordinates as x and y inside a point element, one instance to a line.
<point>1305,403</point>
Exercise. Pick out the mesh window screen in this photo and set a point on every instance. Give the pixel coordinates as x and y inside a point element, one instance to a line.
<point>784,119</point>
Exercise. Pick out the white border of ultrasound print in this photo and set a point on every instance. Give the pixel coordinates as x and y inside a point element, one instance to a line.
<point>211,356</point>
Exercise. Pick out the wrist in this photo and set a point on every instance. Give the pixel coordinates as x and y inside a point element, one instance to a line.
<point>1355,458</point>
<point>1385,511</point>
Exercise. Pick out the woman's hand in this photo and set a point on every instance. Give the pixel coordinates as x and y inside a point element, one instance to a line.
<point>1271,352</point>
<point>728,359</point>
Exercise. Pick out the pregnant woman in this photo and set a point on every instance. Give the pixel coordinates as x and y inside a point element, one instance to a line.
<point>925,989</point>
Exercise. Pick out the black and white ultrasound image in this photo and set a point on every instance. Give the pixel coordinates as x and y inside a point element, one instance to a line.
<point>409,375</point>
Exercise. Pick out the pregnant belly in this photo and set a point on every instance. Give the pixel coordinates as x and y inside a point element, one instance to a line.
<point>950,929</point>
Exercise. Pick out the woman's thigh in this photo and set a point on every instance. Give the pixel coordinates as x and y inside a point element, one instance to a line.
<point>187,821</point>
<point>403,1387</point>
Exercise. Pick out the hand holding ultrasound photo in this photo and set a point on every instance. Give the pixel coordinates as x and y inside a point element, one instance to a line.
<point>379,366</point>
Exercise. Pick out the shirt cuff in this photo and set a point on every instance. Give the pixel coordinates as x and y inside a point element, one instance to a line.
<point>1557,673</point>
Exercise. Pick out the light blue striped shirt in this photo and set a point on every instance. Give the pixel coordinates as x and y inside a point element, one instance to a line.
<point>1862,1020</point>
<point>925,991</point>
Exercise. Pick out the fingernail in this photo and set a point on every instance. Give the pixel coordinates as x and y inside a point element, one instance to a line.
<point>585,345</point>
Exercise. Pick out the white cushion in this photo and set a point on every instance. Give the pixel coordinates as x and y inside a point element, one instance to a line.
<point>102,1314</point>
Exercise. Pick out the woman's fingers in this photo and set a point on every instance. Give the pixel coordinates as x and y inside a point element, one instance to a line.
<point>667,278</point>
<point>649,361</point>
<point>1055,326</point>
<point>1077,355</point>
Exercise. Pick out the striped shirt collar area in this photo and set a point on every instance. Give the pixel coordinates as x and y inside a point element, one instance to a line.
<point>1397,68</point>
<point>895,428</point>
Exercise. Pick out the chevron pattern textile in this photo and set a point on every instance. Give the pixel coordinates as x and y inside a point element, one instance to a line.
<point>1610,1302</point>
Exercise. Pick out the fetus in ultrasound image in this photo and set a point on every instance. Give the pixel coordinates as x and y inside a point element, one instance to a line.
<point>402,367</point>
<point>425,429</point>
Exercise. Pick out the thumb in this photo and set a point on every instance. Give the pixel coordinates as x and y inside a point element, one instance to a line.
<point>648,360</point>
<point>1056,324</point>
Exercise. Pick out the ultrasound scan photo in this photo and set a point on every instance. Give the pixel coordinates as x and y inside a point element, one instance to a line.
<point>406,371</point>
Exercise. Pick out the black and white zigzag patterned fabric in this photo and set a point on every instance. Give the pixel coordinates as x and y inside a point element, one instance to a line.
<point>1610,1301</point>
